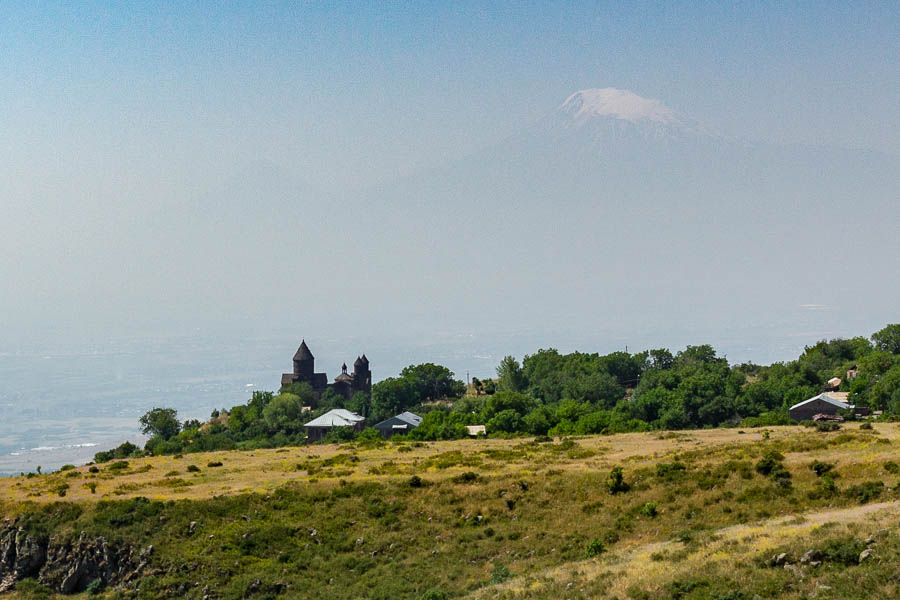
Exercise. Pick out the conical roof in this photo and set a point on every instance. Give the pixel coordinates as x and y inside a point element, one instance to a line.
<point>364,359</point>
<point>303,352</point>
<point>357,362</point>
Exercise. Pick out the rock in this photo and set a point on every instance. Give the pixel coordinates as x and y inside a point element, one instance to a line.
<point>246,518</point>
<point>810,556</point>
<point>778,559</point>
<point>865,554</point>
<point>192,527</point>
<point>64,565</point>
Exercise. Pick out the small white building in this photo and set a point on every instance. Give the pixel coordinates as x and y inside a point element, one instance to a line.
<point>338,417</point>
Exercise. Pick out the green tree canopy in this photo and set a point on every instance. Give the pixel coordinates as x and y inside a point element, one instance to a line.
<point>888,339</point>
<point>433,382</point>
<point>510,375</point>
<point>160,422</point>
<point>283,413</point>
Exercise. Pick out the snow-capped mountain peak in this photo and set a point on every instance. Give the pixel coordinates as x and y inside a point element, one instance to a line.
<point>618,104</point>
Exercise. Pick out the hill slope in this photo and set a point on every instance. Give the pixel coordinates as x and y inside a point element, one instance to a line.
<point>462,517</point>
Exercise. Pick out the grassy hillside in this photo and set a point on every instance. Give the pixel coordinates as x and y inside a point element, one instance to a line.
<point>696,514</point>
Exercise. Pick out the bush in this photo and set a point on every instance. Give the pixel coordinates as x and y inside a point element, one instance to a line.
<point>866,491</point>
<point>91,485</point>
<point>433,594</point>
<point>670,471</point>
<point>615,483</point>
<point>95,587</point>
<point>827,426</point>
<point>892,467</point>
<point>213,463</point>
<point>415,482</point>
<point>94,469</point>
<point>193,469</point>
<point>865,425</point>
<point>67,467</point>
<point>500,573</point>
<point>594,548</point>
<point>650,510</point>
<point>29,589</point>
<point>820,468</point>
<point>467,477</point>
<point>844,551</point>
<point>119,465</point>
<point>769,462</point>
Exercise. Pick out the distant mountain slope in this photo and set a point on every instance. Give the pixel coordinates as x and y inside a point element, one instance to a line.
<point>614,207</point>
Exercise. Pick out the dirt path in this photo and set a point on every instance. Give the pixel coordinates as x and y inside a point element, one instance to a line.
<point>734,543</point>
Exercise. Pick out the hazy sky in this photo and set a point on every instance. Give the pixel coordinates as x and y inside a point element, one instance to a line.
<point>115,116</point>
<point>150,97</point>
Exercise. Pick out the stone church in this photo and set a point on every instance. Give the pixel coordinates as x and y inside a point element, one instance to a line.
<point>345,384</point>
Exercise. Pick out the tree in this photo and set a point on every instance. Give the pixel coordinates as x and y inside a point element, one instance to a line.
<point>360,404</point>
<point>282,413</point>
<point>392,396</point>
<point>507,421</point>
<point>160,422</point>
<point>888,339</point>
<point>433,382</point>
<point>661,358</point>
<point>510,374</point>
<point>302,390</point>
<point>331,399</point>
<point>502,401</point>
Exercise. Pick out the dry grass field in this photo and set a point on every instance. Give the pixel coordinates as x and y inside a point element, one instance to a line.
<point>697,516</point>
<point>259,471</point>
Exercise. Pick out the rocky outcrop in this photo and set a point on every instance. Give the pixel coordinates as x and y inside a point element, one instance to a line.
<point>66,565</point>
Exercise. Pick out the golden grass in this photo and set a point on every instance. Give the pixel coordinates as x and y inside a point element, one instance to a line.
<point>264,470</point>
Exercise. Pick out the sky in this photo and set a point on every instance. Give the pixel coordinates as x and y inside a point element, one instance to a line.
<point>117,118</point>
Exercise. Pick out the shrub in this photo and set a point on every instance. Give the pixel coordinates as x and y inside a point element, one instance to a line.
<point>500,573</point>
<point>29,589</point>
<point>95,587</point>
<point>433,594</point>
<point>467,477</point>
<point>865,425</point>
<point>214,463</point>
<point>119,465</point>
<point>820,468</point>
<point>866,491</point>
<point>94,469</point>
<point>415,481</point>
<point>670,471</point>
<point>67,467</point>
<point>193,469</point>
<point>769,462</point>
<point>827,426</point>
<point>844,551</point>
<point>892,467</point>
<point>61,489</point>
<point>615,483</point>
<point>91,485</point>
<point>649,510</point>
<point>595,548</point>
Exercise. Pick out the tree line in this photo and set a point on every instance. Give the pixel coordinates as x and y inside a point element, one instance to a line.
<point>550,393</point>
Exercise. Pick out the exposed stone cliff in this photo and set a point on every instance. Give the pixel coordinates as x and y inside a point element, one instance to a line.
<point>66,565</point>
